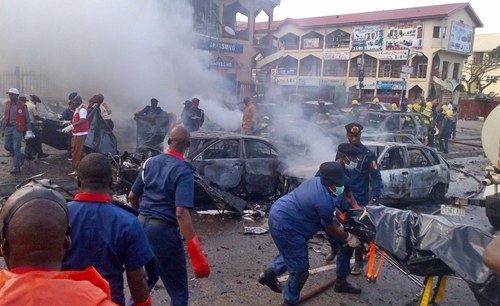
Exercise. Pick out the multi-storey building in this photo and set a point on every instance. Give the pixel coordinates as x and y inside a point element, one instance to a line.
<point>483,45</point>
<point>412,52</point>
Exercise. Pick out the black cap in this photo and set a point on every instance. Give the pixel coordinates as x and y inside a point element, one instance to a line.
<point>154,100</point>
<point>348,149</point>
<point>188,103</point>
<point>353,128</point>
<point>72,95</point>
<point>331,173</point>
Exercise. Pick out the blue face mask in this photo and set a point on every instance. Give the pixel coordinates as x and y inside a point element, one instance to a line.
<point>351,166</point>
<point>338,191</point>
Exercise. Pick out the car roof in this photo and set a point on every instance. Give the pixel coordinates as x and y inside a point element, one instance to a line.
<point>316,103</point>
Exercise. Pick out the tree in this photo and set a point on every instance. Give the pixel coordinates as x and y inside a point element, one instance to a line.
<point>478,70</point>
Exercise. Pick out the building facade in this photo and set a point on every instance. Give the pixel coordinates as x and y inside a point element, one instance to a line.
<point>413,53</point>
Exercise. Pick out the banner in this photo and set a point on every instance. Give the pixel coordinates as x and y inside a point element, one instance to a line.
<point>287,81</point>
<point>409,34</point>
<point>373,37</point>
<point>287,71</point>
<point>342,55</point>
<point>310,43</point>
<point>460,37</point>
<point>393,55</point>
<point>213,45</point>
<point>391,85</point>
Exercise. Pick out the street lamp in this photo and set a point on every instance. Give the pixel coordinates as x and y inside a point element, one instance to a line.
<point>407,70</point>
<point>361,72</point>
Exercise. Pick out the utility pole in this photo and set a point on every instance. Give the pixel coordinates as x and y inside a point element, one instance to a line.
<point>361,73</point>
<point>403,88</point>
<point>407,70</point>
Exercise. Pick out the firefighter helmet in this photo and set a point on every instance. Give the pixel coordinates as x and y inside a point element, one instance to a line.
<point>428,104</point>
<point>449,113</point>
<point>416,107</point>
<point>355,102</point>
<point>394,106</point>
<point>375,101</point>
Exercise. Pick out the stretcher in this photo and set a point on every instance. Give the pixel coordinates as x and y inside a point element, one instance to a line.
<point>428,246</point>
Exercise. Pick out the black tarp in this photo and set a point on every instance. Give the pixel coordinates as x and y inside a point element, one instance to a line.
<point>430,245</point>
<point>52,135</point>
<point>152,130</point>
<point>100,138</point>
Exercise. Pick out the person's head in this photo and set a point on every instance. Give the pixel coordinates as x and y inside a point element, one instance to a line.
<point>416,107</point>
<point>246,100</point>
<point>449,113</point>
<point>332,177</point>
<point>99,98</point>
<point>196,101</point>
<point>445,108</point>
<point>394,106</point>
<point>154,103</point>
<point>428,105</point>
<point>355,102</point>
<point>72,95</point>
<point>35,99</point>
<point>95,174</point>
<point>353,132</point>
<point>71,105</point>
<point>348,155</point>
<point>321,101</point>
<point>410,106</point>
<point>179,139</point>
<point>34,229</point>
<point>375,101</point>
<point>13,94</point>
<point>188,103</point>
<point>77,101</point>
<point>23,99</point>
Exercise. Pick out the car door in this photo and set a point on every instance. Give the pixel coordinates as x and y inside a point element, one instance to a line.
<point>396,178</point>
<point>424,174</point>
<point>262,168</point>
<point>221,163</point>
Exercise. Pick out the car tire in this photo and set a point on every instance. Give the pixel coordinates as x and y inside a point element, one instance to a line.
<point>438,193</point>
<point>495,222</point>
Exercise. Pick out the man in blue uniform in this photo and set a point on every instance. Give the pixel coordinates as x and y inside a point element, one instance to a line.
<point>166,184</point>
<point>150,109</point>
<point>106,236</point>
<point>366,171</point>
<point>294,219</point>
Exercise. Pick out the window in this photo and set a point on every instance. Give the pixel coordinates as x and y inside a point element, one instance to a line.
<point>456,66</point>
<point>435,32</point>
<point>418,158</point>
<point>224,149</point>
<point>335,68</point>
<point>258,149</point>
<point>433,157</point>
<point>421,71</point>
<point>386,71</point>
<point>393,159</point>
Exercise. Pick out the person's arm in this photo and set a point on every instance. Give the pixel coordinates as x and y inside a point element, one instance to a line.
<point>138,285</point>
<point>83,116</point>
<point>491,257</point>
<point>336,232</point>
<point>185,223</point>
<point>134,200</point>
<point>350,199</point>
<point>107,108</point>
<point>27,117</point>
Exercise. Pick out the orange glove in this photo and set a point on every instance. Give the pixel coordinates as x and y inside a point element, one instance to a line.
<point>342,217</point>
<point>200,262</point>
<point>355,206</point>
<point>147,302</point>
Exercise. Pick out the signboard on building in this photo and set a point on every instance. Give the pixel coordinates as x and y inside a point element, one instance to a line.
<point>409,34</point>
<point>407,69</point>
<point>287,81</point>
<point>342,55</point>
<point>372,35</point>
<point>221,64</point>
<point>367,85</point>
<point>332,82</point>
<point>390,85</point>
<point>213,45</point>
<point>309,82</point>
<point>310,43</point>
<point>460,37</point>
<point>287,71</point>
<point>396,55</point>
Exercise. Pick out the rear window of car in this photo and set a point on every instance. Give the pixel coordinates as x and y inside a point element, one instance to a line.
<point>433,157</point>
<point>259,149</point>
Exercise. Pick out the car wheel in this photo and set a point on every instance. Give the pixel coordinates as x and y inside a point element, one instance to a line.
<point>495,222</point>
<point>438,193</point>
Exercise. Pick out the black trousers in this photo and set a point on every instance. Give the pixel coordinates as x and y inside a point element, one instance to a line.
<point>34,145</point>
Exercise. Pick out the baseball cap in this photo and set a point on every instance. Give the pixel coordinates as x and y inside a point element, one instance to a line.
<point>13,91</point>
<point>331,173</point>
<point>188,103</point>
<point>348,149</point>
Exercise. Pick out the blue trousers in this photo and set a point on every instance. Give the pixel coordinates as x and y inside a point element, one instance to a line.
<point>293,257</point>
<point>344,253</point>
<point>12,143</point>
<point>169,263</point>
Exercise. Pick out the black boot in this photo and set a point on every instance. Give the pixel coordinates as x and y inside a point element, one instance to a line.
<point>342,286</point>
<point>270,279</point>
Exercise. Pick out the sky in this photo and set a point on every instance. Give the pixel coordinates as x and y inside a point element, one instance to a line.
<point>484,9</point>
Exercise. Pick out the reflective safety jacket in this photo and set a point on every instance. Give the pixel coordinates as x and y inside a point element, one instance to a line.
<point>428,118</point>
<point>249,116</point>
<point>322,115</point>
<point>34,286</point>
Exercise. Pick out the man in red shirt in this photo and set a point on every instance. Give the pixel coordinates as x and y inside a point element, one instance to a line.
<point>79,127</point>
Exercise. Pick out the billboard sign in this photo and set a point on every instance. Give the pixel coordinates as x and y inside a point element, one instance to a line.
<point>396,55</point>
<point>409,34</point>
<point>373,37</point>
<point>460,37</point>
<point>390,85</point>
<point>287,81</point>
<point>287,71</point>
<point>213,45</point>
<point>310,43</point>
<point>343,55</point>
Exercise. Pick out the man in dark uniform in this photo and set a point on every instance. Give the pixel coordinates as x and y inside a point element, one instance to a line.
<point>198,114</point>
<point>366,171</point>
<point>322,114</point>
<point>166,184</point>
<point>150,109</point>
<point>294,219</point>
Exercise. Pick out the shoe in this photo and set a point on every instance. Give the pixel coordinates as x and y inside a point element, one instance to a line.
<point>357,269</point>
<point>43,155</point>
<point>74,173</point>
<point>285,303</point>
<point>29,157</point>
<point>342,286</point>
<point>270,279</point>
<point>15,170</point>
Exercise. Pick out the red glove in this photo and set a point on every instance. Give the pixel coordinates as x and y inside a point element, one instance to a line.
<point>342,217</point>
<point>147,302</point>
<point>355,206</point>
<point>200,262</point>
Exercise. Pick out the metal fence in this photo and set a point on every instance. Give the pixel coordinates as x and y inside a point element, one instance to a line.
<point>28,82</point>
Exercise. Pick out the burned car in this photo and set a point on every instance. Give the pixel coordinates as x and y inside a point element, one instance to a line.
<point>391,137</point>
<point>410,173</point>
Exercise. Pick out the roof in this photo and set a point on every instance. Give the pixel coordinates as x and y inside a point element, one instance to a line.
<point>414,13</point>
<point>486,42</point>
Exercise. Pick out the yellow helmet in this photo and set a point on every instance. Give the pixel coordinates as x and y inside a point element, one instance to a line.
<point>394,106</point>
<point>265,117</point>
<point>375,101</point>
<point>445,108</point>
<point>416,107</point>
<point>355,102</point>
<point>428,104</point>
<point>410,106</point>
<point>449,113</point>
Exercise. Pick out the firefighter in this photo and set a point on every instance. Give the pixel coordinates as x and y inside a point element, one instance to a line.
<point>446,131</point>
<point>322,114</point>
<point>375,106</point>
<point>394,107</point>
<point>265,128</point>
<point>429,123</point>
<point>355,108</point>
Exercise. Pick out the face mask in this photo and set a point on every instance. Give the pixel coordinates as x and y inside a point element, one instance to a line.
<point>351,166</point>
<point>338,191</point>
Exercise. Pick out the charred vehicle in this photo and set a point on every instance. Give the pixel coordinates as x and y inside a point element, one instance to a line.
<point>391,137</point>
<point>410,173</point>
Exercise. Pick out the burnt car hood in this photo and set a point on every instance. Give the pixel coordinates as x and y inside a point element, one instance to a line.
<point>429,245</point>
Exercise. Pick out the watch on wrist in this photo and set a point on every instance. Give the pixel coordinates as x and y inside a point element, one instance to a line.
<point>374,200</point>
